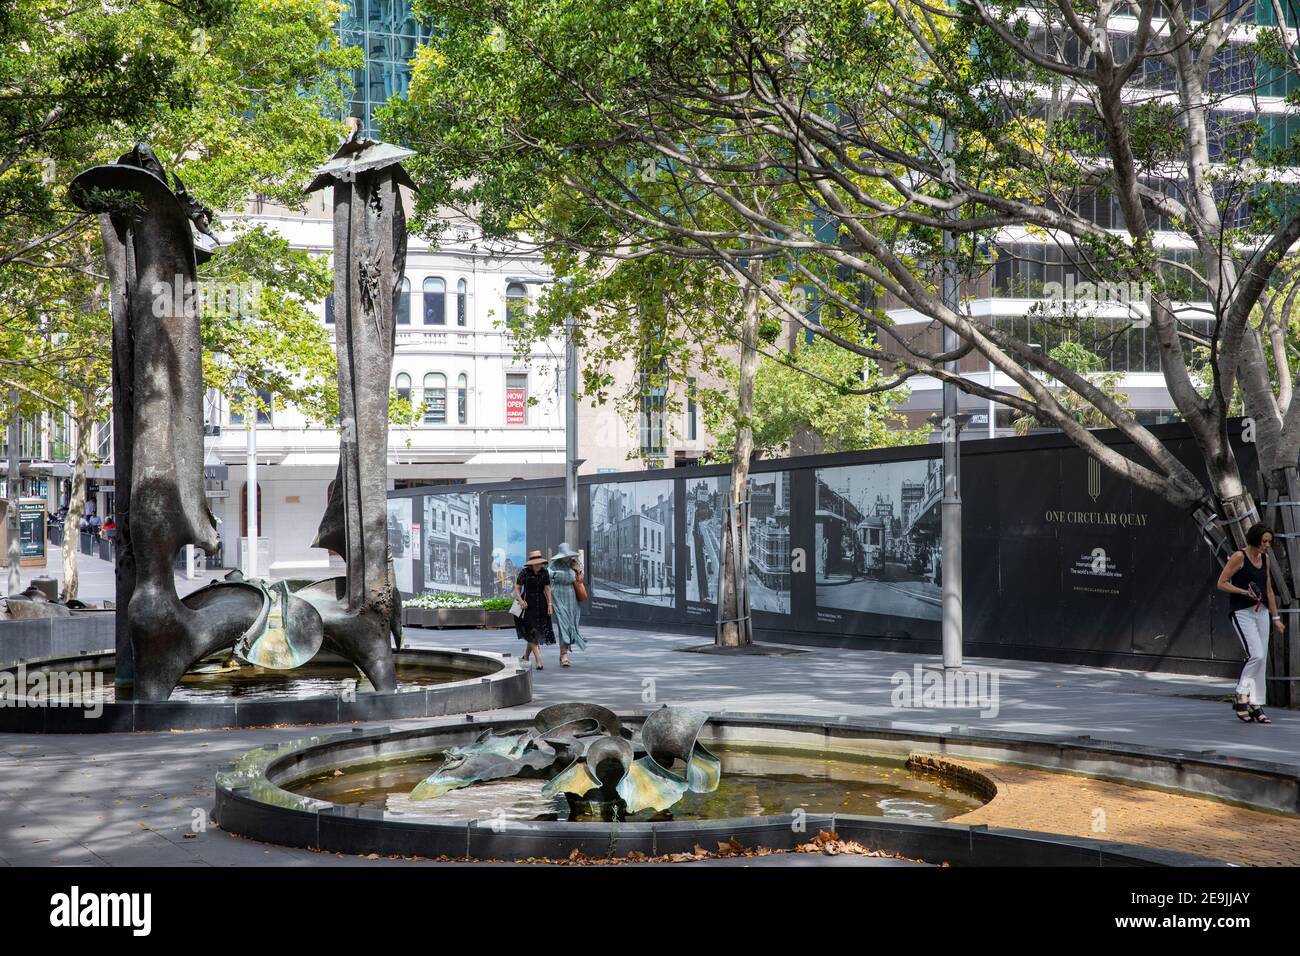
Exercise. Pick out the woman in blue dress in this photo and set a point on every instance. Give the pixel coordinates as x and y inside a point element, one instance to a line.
<point>566,576</point>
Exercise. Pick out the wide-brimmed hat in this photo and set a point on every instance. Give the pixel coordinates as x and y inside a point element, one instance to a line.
<point>565,551</point>
<point>535,557</point>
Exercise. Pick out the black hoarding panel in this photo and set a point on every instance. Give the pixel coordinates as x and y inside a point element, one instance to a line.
<point>450,535</point>
<point>1029,609</point>
<point>514,522</point>
<point>633,550</point>
<point>402,546</point>
<point>877,560</point>
<point>704,507</point>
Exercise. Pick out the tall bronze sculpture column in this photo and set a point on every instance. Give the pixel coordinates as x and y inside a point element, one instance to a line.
<point>148,230</point>
<point>362,609</point>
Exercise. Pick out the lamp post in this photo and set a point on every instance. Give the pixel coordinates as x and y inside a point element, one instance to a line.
<point>250,486</point>
<point>571,460</point>
<point>11,519</point>
<point>950,507</point>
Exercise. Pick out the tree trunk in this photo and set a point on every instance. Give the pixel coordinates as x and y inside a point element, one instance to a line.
<point>735,628</point>
<point>85,424</point>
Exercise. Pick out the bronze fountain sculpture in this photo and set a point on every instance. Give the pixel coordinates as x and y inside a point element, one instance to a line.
<point>154,236</point>
<point>585,753</point>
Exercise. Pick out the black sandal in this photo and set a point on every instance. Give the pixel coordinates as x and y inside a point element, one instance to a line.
<point>1258,715</point>
<point>1243,712</point>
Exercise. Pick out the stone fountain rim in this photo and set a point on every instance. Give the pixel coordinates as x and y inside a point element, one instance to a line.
<point>502,682</point>
<point>250,803</point>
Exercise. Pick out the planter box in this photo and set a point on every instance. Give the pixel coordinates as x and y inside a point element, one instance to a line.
<point>498,619</point>
<point>455,617</point>
<point>459,617</point>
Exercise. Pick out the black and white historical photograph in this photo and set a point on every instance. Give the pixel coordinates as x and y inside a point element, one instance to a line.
<point>399,543</point>
<point>451,543</point>
<point>769,540</point>
<point>632,544</point>
<point>877,538</point>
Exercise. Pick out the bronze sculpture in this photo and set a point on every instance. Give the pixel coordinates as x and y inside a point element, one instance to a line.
<point>155,234</point>
<point>584,753</point>
<point>361,609</point>
<point>158,426</point>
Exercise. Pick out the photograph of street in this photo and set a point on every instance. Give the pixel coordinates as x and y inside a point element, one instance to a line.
<point>769,543</point>
<point>399,543</point>
<point>451,551</point>
<point>632,542</point>
<point>877,539</point>
<point>509,544</point>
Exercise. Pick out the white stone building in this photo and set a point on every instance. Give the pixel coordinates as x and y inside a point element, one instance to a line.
<point>455,362</point>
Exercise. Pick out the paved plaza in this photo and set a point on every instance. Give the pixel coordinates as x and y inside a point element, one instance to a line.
<point>135,799</point>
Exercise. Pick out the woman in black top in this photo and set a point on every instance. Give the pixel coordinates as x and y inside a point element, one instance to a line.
<point>1245,579</point>
<point>533,591</point>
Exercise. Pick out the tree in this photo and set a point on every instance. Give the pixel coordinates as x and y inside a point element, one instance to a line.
<point>606,211</point>
<point>1079,360</point>
<point>238,99</point>
<point>895,123</point>
<point>806,399</point>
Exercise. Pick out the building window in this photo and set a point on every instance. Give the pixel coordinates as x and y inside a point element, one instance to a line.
<point>516,304</point>
<point>462,303</point>
<point>462,399</point>
<point>263,413</point>
<point>329,309</point>
<point>435,399</point>
<point>103,440</point>
<point>404,386</point>
<point>517,398</point>
<point>652,417</point>
<point>435,301</point>
<point>404,303</point>
<point>692,412</point>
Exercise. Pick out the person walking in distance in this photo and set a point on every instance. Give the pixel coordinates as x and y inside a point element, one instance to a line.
<point>1252,604</point>
<point>567,590</point>
<point>533,592</point>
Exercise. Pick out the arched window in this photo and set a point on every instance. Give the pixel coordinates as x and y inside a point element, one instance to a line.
<point>403,386</point>
<point>462,303</point>
<point>516,304</point>
<point>435,399</point>
<point>329,309</point>
<point>435,301</point>
<point>462,399</point>
<point>404,303</point>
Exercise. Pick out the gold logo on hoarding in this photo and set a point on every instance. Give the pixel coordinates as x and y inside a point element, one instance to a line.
<point>1094,478</point>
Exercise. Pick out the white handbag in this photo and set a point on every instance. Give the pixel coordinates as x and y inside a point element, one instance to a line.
<point>517,609</point>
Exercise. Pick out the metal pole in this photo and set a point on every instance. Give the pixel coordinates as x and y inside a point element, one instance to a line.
<point>570,435</point>
<point>993,430</point>
<point>950,508</point>
<point>14,529</point>
<point>250,560</point>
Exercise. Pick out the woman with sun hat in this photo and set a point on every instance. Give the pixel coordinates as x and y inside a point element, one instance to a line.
<point>533,592</point>
<point>567,589</point>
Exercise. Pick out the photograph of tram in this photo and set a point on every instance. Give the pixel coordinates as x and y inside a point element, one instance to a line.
<point>877,538</point>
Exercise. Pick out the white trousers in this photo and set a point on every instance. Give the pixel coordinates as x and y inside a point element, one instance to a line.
<point>1252,626</point>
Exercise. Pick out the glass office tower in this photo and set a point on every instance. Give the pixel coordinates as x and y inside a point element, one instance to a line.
<point>389,35</point>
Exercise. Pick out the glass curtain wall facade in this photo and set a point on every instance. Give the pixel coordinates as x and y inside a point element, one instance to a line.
<point>389,34</point>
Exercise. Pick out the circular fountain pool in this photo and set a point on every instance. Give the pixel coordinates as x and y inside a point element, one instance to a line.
<point>755,782</point>
<point>77,695</point>
<point>784,779</point>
